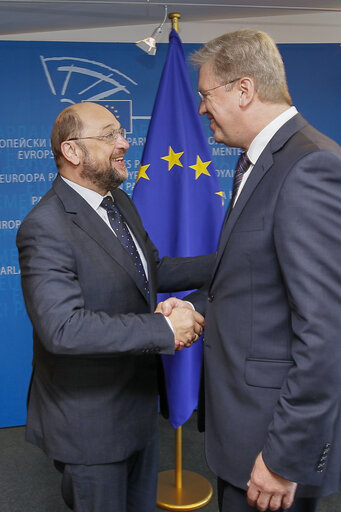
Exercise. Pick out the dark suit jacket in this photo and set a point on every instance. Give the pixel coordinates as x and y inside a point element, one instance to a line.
<point>272,346</point>
<point>93,396</point>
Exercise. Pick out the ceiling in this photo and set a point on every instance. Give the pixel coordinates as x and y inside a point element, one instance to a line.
<point>22,16</point>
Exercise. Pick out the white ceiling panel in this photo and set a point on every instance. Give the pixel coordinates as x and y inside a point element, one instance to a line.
<point>20,16</point>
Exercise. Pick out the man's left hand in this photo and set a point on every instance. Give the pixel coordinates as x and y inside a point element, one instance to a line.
<point>266,490</point>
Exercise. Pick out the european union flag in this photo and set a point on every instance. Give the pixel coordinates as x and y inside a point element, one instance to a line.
<point>180,201</point>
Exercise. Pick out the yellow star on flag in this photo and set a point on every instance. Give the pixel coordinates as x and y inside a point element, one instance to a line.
<point>200,167</point>
<point>142,172</point>
<point>173,158</point>
<point>222,195</point>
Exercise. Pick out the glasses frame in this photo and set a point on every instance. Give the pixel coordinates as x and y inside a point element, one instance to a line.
<point>203,95</point>
<point>108,138</point>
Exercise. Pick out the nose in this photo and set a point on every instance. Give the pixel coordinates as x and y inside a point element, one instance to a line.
<point>121,142</point>
<point>202,108</point>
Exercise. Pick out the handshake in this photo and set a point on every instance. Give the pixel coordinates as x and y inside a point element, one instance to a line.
<point>187,323</point>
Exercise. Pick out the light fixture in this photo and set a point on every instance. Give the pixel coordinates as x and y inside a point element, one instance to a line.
<point>148,44</point>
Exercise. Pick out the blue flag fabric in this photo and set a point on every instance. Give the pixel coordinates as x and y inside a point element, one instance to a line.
<point>178,195</point>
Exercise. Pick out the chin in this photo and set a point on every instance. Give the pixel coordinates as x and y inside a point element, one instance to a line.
<point>121,173</point>
<point>217,138</point>
<point>124,176</point>
<point>215,132</point>
<point>220,137</point>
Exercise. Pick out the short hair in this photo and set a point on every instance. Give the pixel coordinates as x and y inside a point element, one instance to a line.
<point>67,125</point>
<point>247,53</point>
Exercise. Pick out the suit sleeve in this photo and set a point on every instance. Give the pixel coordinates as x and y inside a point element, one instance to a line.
<point>308,242</point>
<point>55,302</point>
<point>181,274</point>
<point>199,297</point>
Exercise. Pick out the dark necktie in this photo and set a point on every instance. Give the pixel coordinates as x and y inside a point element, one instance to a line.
<point>242,166</point>
<point>118,224</point>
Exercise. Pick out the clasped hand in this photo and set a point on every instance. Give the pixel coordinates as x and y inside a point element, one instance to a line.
<point>187,323</point>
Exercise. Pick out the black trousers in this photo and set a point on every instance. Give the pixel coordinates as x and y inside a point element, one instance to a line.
<point>233,499</point>
<point>125,486</point>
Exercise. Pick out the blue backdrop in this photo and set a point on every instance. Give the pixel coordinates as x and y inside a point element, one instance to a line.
<point>38,80</point>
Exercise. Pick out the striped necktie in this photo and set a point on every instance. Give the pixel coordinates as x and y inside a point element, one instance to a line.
<point>242,166</point>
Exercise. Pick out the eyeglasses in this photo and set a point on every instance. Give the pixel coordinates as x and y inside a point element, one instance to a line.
<point>203,95</point>
<point>108,138</point>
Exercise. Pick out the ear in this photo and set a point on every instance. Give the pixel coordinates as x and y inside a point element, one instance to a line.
<point>71,152</point>
<point>247,91</point>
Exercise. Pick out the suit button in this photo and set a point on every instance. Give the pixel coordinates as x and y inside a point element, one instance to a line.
<point>210,298</point>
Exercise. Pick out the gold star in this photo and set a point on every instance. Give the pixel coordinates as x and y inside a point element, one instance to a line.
<point>173,158</point>
<point>200,167</point>
<point>222,195</point>
<point>142,172</point>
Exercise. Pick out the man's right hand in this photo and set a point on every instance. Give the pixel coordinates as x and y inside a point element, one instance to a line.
<point>167,306</point>
<point>187,325</point>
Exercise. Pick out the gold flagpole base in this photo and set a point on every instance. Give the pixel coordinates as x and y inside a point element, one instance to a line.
<point>195,492</point>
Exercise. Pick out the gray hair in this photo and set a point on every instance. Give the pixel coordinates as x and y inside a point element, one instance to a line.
<point>249,53</point>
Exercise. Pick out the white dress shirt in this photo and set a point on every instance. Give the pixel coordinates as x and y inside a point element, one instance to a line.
<point>261,140</point>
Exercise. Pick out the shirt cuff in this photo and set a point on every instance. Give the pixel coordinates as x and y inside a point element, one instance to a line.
<point>190,303</point>
<point>169,323</point>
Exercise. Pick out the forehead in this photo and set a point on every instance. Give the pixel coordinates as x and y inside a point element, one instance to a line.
<point>207,78</point>
<point>95,116</point>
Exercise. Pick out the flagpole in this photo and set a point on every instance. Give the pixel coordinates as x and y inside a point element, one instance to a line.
<point>181,490</point>
<point>178,457</point>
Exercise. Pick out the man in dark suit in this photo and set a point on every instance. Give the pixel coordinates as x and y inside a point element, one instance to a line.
<point>272,346</point>
<point>90,286</point>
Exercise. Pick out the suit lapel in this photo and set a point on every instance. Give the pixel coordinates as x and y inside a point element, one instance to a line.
<point>84,216</point>
<point>260,169</point>
<point>262,166</point>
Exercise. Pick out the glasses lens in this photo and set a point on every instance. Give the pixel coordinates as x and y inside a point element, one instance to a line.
<point>113,136</point>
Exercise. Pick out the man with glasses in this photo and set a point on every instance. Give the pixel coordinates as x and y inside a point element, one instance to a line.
<point>90,275</point>
<point>272,348</point>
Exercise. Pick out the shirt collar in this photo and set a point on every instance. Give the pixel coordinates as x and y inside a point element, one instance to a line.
<point>264,136</point>
<point>91,196</point>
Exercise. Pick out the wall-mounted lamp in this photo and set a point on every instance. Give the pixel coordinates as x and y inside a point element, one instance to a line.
<point>148,44</point>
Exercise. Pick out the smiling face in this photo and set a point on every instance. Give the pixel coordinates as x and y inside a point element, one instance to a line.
<point>100,164</point>
<point>221,105</point>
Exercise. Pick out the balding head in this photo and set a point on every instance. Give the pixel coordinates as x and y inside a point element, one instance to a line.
<point>73,121</point>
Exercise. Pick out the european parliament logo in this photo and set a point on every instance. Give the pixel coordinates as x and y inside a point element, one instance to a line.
<point>76,79</point>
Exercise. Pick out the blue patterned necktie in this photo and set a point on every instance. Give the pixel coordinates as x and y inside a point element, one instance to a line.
<point>119,226</point>
<point>242,166</point>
